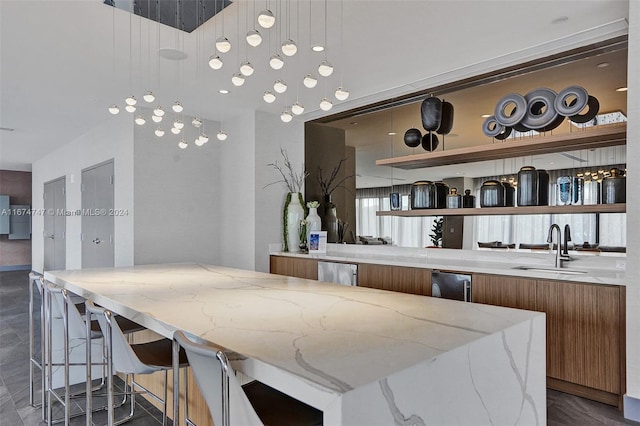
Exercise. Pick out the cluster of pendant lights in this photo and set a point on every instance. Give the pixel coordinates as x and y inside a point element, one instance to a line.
<point>289,48</point>
<point>158,116</point>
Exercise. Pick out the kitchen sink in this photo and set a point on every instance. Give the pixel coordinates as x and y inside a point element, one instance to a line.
<point>553,270</point>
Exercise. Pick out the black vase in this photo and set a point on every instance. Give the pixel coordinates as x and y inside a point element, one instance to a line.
<point>330,220</point>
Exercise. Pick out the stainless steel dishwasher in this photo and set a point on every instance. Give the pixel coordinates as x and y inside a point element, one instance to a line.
<point>451,285</point>
<point>339,273</point>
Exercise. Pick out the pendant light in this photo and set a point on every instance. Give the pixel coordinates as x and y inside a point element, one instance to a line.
<point>222,135</point>
<point>269,97</point>
<point>156,119</point>
<point>310,81</point>
<point>130,108</point>
<point>289,47</point>
<point>203,138</point>
<point>113,109</point>
<point>177,107</point>
<point>325,104</point>
<point>254,39</point>
<point>140,120</point>
<point>280,86</point>
<point>215,62</point>
<point>158,111</point>
<point>266,19</point>
<point>276,62</point>
<point>183,144</point>
<point>149,97</point>
<point>325,68</point>
<point>246,68</point>
<point>159,132</point>
<point>286,116</point>
<point>237,79</point>
<point>297,108</point>
<point>341,94</point>
<point>223,44</point>
<point>196,122</point>
<point>175,131</point>
<point>178,124</point>
<point>131,100</point>
<point>198,142</point>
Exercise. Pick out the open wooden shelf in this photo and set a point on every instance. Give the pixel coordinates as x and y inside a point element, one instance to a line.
<point>601,136</point>
<point>492,211</point>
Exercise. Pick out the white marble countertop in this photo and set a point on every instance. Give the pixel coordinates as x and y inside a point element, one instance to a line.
<point>329,338</point>
<point>598,269</point>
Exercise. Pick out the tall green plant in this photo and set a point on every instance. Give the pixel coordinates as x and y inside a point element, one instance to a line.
<point>436,235</point>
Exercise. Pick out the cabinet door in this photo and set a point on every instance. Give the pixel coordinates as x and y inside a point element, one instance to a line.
<point>506,291</point>
<point>395,278</point>
<point>583,333</point>
<point>294,267</point>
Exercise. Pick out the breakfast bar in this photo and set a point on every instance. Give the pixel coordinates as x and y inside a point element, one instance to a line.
<point>361,355</point>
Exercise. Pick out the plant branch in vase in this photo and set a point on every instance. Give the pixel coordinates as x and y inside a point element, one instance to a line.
<point>327,186</point>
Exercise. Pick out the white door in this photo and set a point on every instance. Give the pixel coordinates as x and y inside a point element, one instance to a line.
<point>55,225</point>
<point>97,216</point>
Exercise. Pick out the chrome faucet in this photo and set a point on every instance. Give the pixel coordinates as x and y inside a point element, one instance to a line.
<point>562,252</point>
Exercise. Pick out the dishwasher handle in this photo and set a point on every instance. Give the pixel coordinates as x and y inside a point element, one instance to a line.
<point>467,290</point>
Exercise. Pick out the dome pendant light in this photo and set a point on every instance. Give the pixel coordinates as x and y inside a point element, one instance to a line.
<point>203,138</point>
<point>183,144</point>
<point>280,86</point>
<point>177,107</point>
<point>175,131</point>
<point>215,63</point>
<point>237,79</point>
<point>289,47</point>
<point>131,100</point>
<point>198,142</point>
<point>159,132</point>
<point>130,108</point>
<point>223,44</point>
<point>341,94</point>
<point>276,62</point>
<point>325,104</point>
<point>178,124</point>
<point>222,135</point>
<point>297,108</point>
<point>196,122</point>
<point>113,109</point>
<point>140,120</point>
<point>158,111</point>
<point>156,119</point>
<point>149,97</point>
<point>269,97</point>
<point>286,116</point>
<point>325,68</point>
<point>309,81</point>
<point>254,38</point>
<point>246,68</point>
<point>266,19</point>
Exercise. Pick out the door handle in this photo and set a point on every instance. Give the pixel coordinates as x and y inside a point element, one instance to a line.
<point>51,237</point>
<point>97,241</point>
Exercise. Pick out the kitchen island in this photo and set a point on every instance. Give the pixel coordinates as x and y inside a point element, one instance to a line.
<point>362,356</point>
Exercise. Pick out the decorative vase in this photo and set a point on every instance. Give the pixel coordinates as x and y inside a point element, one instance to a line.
<point>314,223</point>
<point>293,214</point>
<point>330,221</point>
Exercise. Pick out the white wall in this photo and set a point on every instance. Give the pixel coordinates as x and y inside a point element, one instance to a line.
<point>176,195</point>
<point>237,205</point>
<point>632,408</point>
<point>113,139</point>
<point>271,135</point>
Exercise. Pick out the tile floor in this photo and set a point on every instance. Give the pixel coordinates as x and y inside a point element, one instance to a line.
<point>562,409</point>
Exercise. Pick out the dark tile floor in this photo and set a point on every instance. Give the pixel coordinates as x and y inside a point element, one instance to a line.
<point>562,409</point>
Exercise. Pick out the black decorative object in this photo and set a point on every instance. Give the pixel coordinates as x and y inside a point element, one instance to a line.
<point>614,188</point>
<point>394,201</point>
<point>431,113</point>
<point>492,194</point>
<point>430,141</point>
<point>423,195</point>
<point>542,110</point>
<point>412,138</point>
<point>468,200</point>
<point>446,122</point>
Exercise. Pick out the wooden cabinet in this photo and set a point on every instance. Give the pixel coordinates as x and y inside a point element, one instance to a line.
<point>585,330</point>
<point>395,278</point>
<point>294,267</point>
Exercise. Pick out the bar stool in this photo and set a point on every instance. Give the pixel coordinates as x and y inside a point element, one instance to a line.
<point>35,281</point>
<point>123,357</point>
<point>229,402</point>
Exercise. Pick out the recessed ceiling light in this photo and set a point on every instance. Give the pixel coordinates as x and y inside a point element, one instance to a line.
<point>172,54</point>
<point>486,115</point>
<point>560,20</point>
<point>603,65</point>
<point>223,91</point>
<point>621,89</point>
<point>318,48</point>
<point>391,133</point>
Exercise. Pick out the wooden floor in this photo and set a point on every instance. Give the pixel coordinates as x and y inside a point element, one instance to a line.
<point>562,409</point>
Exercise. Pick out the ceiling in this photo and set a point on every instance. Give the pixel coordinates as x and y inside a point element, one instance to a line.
<point>601,74</point>
<point>59,69</point>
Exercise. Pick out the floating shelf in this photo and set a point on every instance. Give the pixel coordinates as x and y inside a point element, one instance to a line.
<point>601,136</point>
<point>493,211</point>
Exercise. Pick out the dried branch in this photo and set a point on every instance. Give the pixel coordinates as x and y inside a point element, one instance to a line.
<point>329,185</point>
<point>292,180</point>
